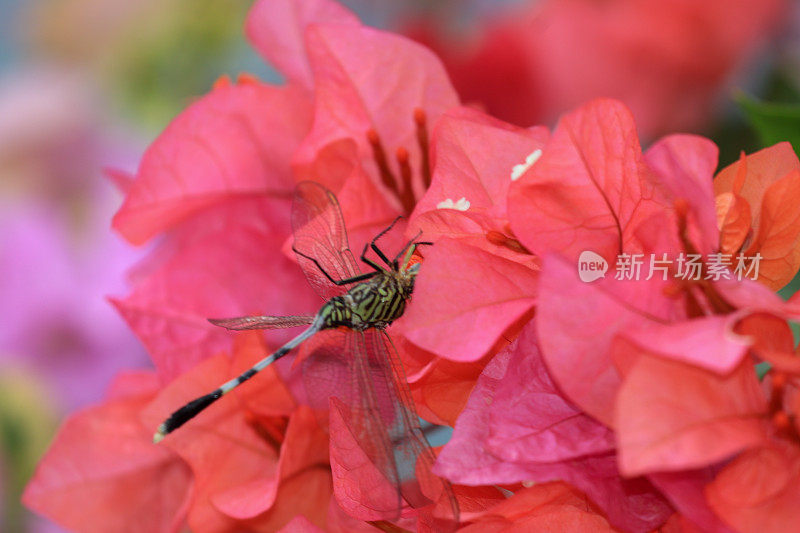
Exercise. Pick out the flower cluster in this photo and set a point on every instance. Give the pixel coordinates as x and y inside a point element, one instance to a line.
<point>619,404</point>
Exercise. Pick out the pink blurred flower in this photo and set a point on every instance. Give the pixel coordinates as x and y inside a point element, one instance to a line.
<point>669,61</point>
<point>57,256</point>
<point>58,261</point>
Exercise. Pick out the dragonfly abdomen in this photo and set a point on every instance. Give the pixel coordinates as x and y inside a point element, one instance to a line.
<point>336,312</point>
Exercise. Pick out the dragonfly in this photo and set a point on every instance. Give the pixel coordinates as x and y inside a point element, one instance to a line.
<point>351,357</point>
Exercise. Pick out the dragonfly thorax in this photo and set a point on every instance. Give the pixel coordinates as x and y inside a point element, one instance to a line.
<point>375,303</point>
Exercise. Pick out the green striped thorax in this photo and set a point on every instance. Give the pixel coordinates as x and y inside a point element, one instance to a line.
<point>374,303</point>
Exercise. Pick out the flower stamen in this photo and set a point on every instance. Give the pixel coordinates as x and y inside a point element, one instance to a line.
<point>784,422</point>
<point>420,119</point>
<point>715,303</point>
<point>403,188</point>
<point>272,430</point>
<point>407,191</point>
<point>501,239</point>
<point>379,154</point>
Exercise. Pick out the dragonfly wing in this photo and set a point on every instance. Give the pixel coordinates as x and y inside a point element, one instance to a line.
<point>327,370</point>
<point>319,232</point>
<point>411,452</point>
<point>365,477</point>
<point>373,420</point>
<point>262,322</point>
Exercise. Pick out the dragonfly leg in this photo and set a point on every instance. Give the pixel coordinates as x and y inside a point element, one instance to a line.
<point>372,263</point>
<point>408,249</point>
<point>354,279</point>
<point>374,246</point>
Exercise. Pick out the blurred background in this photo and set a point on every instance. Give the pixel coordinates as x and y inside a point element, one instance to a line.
<point>85,85</point>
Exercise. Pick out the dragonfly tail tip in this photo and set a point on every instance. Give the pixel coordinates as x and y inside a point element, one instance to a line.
<point>160,434</point>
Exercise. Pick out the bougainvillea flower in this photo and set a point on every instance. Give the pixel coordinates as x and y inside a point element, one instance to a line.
<point>770,470</point>
<point>623,351</point>
<point>684,166</point>
<point>235,141</point>
<point>378,82</point>
<point>486,306</point>
<point>673,416</point>
<point>218,151</point>
<point>276,29</point>
<point>518,427</point>
<point>546,507</point>
<point>757,211</point>
<point>622,327</point>
<point>252,157</point>
<point>250,455</point>
<point>217,181</point>
<point>667,60</point>
<point>374,96</point>
<point>752,211</point>
<point>578,324</point>
<point>104,455</point>
<point>216,250</point>
<point>670,403</point>
<point>252,460</point>
<point>758,490</point>
<point>590,189</point>
<point>476,158</point>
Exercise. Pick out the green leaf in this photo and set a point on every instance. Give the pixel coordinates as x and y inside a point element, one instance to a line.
<point>773,122</point>
<point>762,369</point>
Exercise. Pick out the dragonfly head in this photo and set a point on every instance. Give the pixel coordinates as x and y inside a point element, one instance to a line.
<point>409,267</point>
<point>407,276</point>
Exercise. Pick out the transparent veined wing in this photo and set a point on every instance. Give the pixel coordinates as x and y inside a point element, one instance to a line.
<point>362,372</point>
<point>319,232</point>
<point>326,369</point>
<point>262,322</point>
<point>413,456</point>
<point>333,375</point>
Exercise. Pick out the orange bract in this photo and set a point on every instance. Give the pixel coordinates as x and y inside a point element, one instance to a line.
<point>757,211</point>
